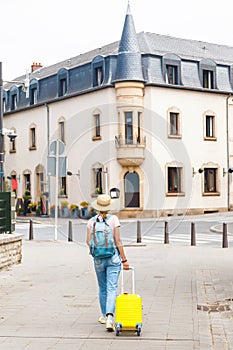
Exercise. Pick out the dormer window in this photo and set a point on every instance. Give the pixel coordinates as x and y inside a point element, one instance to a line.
<point>207,71</point>
<point>13,102</point>
<point>98,77</point>
<point>62,77</point>
<point>33,96</point>
<point>171,74</point>
<point>13,98</point>
<point>62,87</point>
<point>98,71</point>
<point>172,69</point>
<point>33,92</point>
<point>208,79</point>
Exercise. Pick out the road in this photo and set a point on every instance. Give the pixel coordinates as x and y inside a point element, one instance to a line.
<point>151,230</point>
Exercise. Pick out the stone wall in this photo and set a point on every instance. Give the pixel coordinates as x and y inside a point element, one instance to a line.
<point>10,249</point>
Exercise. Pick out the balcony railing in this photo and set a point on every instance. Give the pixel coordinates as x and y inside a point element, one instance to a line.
<point>130,152</point>
<point>123,142</point>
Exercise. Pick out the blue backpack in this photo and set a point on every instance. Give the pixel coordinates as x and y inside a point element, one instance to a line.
<point>102,242</point>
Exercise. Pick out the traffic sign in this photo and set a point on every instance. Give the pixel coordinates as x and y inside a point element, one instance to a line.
<point>51,166</point>
<point>53,147</point>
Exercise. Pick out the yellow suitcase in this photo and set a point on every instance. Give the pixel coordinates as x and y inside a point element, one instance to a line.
<point>128,309</point>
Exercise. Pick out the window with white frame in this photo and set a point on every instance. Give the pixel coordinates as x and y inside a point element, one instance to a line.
<point>62,90</point>
<point>209,127</point>
<point>61,130</point>
<point>97,129</point>
<point>33,96</point>
<point>174,124</point>
<point>62,186</point>
<point>208,79</point>
<point>171,74</point>
<point>174,179</point>
<point>210,180</point>
<point>98,180</point>
<point>128,127</point>
<point>13,102</point>
<point>32,138</point>
<point>27,181</point>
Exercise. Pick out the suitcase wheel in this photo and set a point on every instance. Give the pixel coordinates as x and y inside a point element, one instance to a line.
<point>118,328</point>
<point>138,329</point>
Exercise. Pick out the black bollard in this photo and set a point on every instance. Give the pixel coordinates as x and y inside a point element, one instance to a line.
<point>30,230</point>
<point>139,234</point>
<point>193,234</point>
<point>224,236</point>
<point>166,235</point>
<point>70,233</point>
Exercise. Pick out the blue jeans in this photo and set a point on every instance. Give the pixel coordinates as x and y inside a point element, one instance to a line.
<point>107,272</point>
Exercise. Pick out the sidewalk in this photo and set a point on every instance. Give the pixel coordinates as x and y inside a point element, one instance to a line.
<point>49,301</point>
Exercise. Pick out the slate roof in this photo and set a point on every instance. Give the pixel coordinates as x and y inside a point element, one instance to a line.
<point>129,63</point>
<point>131,49</point>
<point>149,43</point>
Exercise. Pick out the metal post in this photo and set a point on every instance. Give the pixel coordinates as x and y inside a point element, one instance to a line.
<point>224,236</point>
<point>1,136</point>
<point>30,231</point>
<point>166,235</point>
<point>139,235</point>
<point>70,232</point>
<point>193,234</point>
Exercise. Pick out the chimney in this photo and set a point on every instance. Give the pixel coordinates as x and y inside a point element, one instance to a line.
<point>35,66</point>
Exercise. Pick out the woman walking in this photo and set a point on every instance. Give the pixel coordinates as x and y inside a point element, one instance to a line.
<point>107,268</point>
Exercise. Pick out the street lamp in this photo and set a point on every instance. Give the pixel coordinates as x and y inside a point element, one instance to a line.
<point>69,173</point>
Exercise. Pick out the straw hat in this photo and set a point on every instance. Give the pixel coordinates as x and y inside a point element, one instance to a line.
<point>102,203</point>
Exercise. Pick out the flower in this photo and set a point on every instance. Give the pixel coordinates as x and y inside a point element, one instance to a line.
<point>32,205</point>
<point>73,206</point>
<point>64,204</point>
<point>84,204</point>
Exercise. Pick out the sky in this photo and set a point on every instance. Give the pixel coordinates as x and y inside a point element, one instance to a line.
<point>50,31</point>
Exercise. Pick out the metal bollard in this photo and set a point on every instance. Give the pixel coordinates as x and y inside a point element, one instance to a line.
<point>193,234</point>
<point>139,234</point>
<point>70,232</point>
<point>224,236</point>
<point>30,230</point>
<point>166,235</point>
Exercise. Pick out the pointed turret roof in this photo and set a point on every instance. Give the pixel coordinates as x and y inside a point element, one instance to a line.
<point>129,65</point>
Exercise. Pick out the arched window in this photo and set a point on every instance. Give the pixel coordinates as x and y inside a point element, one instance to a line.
<point>131,188</point>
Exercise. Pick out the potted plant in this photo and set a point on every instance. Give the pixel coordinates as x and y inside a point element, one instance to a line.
<point>65,209</point>
<point>52,211</point>
<point>74,210</point>
<point>84,214</point>
<point>98,190</point>
<point>27,200</point>
<point>20,211</point>
<point>32,206</point>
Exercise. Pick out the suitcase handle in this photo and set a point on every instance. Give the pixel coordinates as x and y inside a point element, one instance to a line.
<point>122,280</point>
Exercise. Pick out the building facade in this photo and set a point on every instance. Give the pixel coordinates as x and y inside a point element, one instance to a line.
<point>150,115</point>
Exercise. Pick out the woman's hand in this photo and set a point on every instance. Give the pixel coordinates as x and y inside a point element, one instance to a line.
<point>125,265</point>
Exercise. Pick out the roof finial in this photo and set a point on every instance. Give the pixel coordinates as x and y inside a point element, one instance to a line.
<point>128,12</point>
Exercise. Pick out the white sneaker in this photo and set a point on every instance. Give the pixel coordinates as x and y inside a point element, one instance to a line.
<point>109,324</point>
<point>102,319</point>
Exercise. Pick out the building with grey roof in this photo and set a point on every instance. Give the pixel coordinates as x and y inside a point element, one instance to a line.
<point>150,115</point>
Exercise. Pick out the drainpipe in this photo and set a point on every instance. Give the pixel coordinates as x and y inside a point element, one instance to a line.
<point>228,153</point>
<point>48,143</point>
